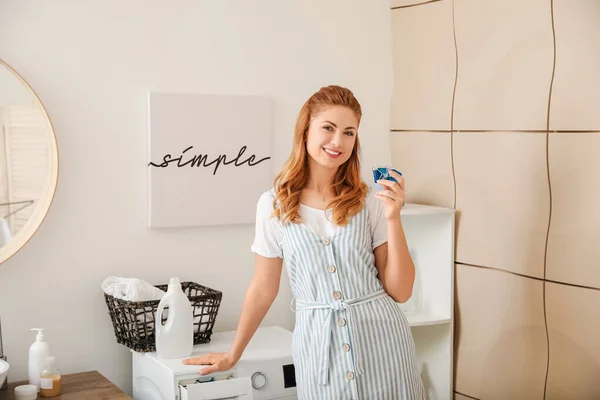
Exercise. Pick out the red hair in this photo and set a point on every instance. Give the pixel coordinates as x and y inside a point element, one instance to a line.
<point>349,189</point>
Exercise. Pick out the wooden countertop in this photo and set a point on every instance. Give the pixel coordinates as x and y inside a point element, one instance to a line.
<point>91,385</point>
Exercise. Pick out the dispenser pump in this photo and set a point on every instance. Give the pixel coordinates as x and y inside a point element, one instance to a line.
<point>40,334</point>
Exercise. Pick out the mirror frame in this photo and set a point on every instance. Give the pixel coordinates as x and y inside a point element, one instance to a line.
<point>47,196</point>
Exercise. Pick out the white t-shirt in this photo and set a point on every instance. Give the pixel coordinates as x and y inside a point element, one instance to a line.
<point>269,236</point>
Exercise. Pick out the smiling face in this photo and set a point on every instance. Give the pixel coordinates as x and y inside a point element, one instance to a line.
<point>331,136</point>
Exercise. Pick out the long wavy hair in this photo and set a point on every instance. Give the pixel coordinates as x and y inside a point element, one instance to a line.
<point>349,189</point>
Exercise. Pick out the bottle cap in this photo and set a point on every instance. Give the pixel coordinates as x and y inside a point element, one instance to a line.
<point>174,284</point>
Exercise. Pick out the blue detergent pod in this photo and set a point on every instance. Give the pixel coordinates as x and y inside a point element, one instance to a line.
<point>383,173</point>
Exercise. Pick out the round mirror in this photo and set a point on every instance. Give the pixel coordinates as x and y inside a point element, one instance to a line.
<point>28,162</point>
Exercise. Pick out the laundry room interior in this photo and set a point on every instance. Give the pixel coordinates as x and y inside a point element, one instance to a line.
<point>141,141</point>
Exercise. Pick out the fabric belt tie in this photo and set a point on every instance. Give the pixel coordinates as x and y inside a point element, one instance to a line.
<point>326,332</point>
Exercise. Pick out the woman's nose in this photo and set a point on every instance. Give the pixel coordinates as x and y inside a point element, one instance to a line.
<point>336,139</point>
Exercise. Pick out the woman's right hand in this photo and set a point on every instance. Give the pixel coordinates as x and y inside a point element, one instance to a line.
<point>214,361</point>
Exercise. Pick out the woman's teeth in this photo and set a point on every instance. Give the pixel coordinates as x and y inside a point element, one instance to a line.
<point>333,153</point>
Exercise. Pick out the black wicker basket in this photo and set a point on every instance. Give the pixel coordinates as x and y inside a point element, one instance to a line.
<point>134,324</point>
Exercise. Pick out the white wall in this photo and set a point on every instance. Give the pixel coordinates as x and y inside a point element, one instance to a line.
<point>92,64</point>
<point>12,90</point>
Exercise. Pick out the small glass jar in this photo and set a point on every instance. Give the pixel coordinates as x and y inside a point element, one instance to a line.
<point>50,379</point>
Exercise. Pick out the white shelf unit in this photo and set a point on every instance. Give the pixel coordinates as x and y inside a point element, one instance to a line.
<point>430,311</point>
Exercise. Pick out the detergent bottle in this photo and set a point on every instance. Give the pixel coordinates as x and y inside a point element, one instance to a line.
<point>174,338</point>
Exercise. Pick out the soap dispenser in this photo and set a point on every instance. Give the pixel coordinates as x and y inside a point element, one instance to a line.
<point>38,353</point>
<point>174,339</point>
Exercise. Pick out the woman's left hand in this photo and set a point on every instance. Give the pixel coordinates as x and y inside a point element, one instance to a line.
<point>392,196</point>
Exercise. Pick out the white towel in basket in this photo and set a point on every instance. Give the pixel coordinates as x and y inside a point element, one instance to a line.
<point>131,289</point>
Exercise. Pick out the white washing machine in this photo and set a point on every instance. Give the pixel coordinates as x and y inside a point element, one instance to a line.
<point>265,371</point>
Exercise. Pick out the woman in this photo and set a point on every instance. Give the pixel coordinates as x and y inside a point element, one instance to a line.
<point>347,260</point>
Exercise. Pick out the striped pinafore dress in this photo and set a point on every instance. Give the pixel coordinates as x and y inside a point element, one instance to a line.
<point>351,340</point>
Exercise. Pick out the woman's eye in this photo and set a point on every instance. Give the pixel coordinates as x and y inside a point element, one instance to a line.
<point>328,128</point>
<point>349,133</point>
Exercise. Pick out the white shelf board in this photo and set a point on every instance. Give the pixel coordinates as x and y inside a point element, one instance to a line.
<point>422,209</point>
<point>424,319</point>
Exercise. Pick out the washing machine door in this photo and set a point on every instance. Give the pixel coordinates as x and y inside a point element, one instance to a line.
<point>236,388</point>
